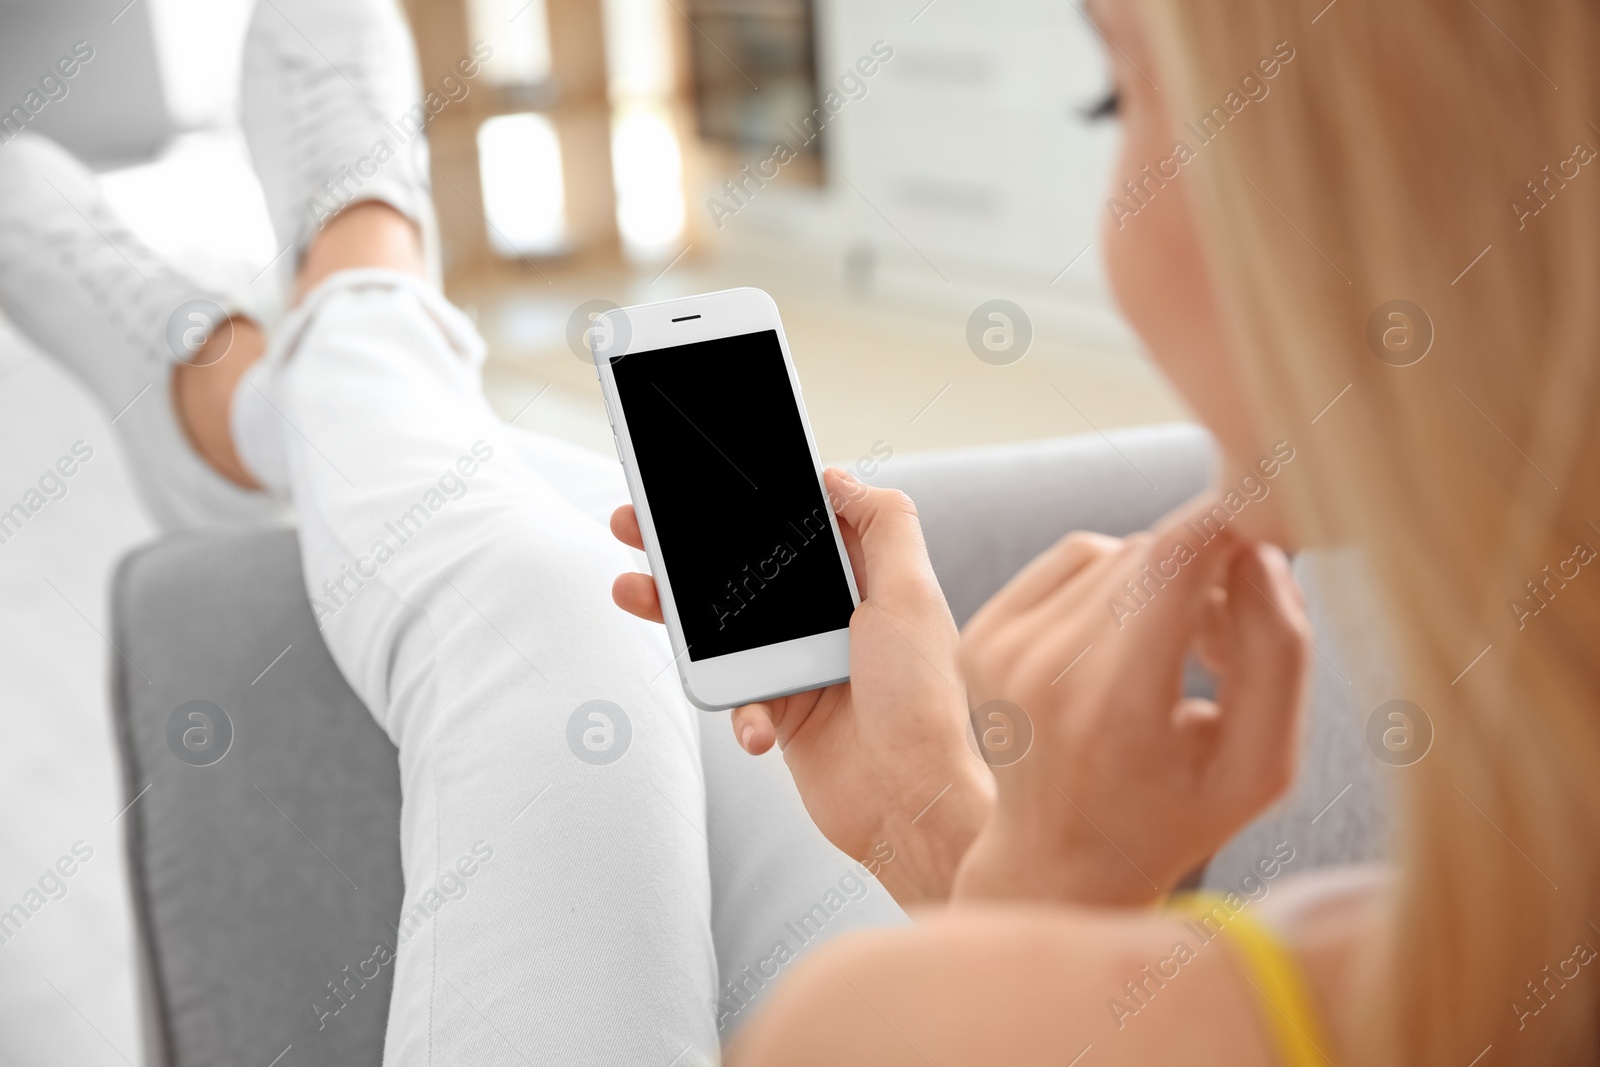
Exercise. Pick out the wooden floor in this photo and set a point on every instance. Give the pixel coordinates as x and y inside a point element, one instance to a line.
<point>874,368</point>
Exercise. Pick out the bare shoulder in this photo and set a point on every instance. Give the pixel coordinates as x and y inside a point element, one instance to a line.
<point>1043,985</point>
<point>1325,900</point>
<point>1014,985</point>
<point>1330,920</point>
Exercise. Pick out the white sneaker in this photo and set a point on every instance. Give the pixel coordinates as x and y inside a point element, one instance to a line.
<point>332,111</point>
<point>85,290</point>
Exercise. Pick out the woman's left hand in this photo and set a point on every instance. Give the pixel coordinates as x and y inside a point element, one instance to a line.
<point>1128,784</point>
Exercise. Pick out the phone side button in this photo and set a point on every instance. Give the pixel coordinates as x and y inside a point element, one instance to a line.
<point>616,444</point>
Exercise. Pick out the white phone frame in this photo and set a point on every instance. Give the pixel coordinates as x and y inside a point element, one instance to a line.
<point>768,671</point>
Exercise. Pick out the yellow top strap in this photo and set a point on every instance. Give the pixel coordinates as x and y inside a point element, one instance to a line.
<point>1273,972</point>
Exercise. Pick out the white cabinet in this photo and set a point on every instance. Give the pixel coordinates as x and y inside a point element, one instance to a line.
<point>969,156</point>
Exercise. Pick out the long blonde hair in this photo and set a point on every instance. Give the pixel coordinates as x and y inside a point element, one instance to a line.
<point>1393,161</point>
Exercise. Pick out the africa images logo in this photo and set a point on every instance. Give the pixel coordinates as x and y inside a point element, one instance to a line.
<point>599,732</point>
<point>199,733</point>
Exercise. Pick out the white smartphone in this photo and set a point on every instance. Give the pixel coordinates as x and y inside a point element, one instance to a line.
<point>754,579</point>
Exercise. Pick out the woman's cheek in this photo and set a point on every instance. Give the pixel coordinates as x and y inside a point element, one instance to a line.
<point>1158,277</point>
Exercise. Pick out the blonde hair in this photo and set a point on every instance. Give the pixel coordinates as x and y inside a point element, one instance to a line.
<point>1388,163</point>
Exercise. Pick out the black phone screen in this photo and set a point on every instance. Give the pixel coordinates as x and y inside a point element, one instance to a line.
<point>740,517</point>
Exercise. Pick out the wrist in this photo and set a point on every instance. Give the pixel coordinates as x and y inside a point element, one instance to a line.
<point>919,846</point>
<point>1004,864</point>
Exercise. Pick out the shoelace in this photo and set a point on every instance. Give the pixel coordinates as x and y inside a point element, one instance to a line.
<point>325,119</point>
<point>127,283</point>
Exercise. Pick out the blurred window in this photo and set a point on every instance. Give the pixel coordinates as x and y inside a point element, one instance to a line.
<point>524,195</point>
<point>648,169</point>
<point>638,49</point>
<point>646,158</point>
<point>519,33</point>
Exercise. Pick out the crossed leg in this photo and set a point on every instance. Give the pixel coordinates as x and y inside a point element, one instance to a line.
<point>464,599</point>
<point>619,923</point>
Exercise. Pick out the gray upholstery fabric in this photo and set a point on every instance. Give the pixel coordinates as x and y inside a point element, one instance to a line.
<point>988,511</point>
<point>119,113</point>
<point>246,872</point>
<point>1337,809</point>
<point>259,878</point>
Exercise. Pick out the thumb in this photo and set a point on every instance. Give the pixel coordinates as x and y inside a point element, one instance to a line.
<point>884,522</point>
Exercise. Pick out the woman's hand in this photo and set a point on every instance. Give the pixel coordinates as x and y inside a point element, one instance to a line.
<point>1129,785</point>
<point>881,761</point>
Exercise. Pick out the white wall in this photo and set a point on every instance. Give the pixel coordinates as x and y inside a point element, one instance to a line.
<point>971,141</point>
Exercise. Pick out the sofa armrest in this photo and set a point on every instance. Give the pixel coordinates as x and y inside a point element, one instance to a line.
<point>245,872</point>
<point>987,511</point>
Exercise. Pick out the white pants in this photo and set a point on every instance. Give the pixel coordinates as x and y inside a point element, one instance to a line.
<point>569,897</point>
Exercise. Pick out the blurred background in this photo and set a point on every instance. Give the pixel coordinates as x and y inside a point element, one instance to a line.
<point>882,167</point>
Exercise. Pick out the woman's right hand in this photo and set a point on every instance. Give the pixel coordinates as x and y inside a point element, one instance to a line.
<point>1129,784</point>
<point>881,761</point>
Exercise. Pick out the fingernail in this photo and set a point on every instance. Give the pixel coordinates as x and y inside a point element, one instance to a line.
<point>744,737</point>
<point>845,476</point>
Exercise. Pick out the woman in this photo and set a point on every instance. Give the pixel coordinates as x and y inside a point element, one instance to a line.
<point>1292,172</point>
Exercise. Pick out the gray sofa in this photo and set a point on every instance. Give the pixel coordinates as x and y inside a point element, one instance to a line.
<point>239,926</point>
